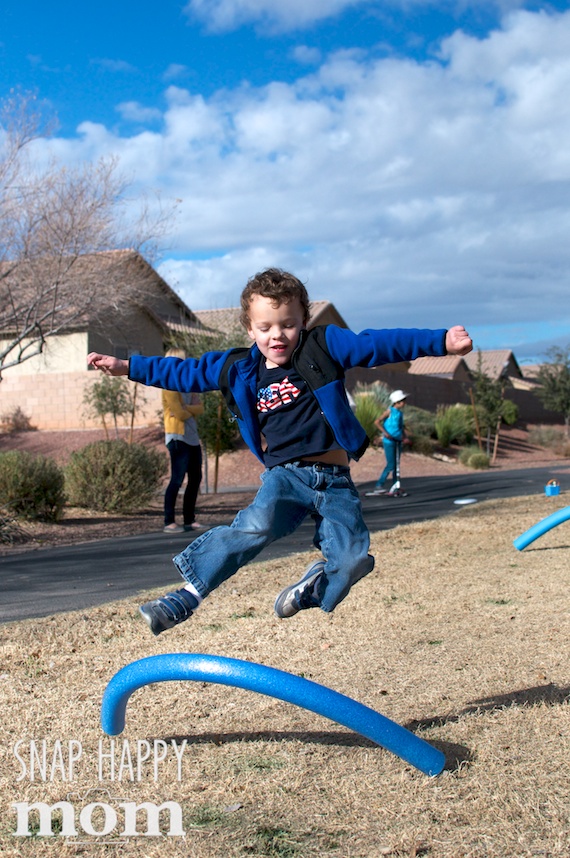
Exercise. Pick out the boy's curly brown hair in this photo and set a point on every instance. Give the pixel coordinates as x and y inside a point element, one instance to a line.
<point>280,286</point>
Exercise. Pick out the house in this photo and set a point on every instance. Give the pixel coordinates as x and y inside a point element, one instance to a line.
<point>227,320</point>
<point>49,387</point>
<point>494,363</point>
<point>449,366</point>
<point>141,314</point>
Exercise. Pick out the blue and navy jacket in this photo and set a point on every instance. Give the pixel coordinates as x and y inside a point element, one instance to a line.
<point>321,358</point>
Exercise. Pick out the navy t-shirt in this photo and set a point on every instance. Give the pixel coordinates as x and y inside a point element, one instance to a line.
<point>290,417</point>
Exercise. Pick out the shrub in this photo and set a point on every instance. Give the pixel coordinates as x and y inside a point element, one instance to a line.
<point>552,438</point>
<point>465,453</point>
<point>366,412</point>
<point>114,476</point>
<point>546,436</point>
<point>10,530</point>
<point>479,461</point>
<point>454,424</point>
<point>473,457</point>
<point>419,421</point>
<point>422,444</point>
<point>379,392</point>
<point>31,486</point>
<point>16,421</point>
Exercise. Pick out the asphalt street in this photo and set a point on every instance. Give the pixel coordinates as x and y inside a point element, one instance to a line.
<point>47,581</point>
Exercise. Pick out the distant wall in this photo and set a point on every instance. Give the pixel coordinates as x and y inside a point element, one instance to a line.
<point>429,392</point>
<point>54,400</point>
<point>66,353</point>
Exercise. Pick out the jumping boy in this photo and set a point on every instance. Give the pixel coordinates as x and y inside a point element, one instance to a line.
<point>287,394</point>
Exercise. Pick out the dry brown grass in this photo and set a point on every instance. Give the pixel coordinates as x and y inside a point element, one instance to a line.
<point>455,635</point>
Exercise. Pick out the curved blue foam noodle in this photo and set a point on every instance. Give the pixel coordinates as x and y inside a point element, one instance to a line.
<point>541,527</point>
<point>274,683</point>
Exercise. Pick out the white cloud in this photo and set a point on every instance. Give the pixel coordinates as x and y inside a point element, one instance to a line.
<point>115,66</point>
<point>306,55</point>
<point>409,194</point>
<point>174,71</point>
<point>132,111</point>
<point>225,15</point>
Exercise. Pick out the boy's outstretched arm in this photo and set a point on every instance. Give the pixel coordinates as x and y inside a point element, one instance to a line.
<point>458,341</point>
<point>108,364</point>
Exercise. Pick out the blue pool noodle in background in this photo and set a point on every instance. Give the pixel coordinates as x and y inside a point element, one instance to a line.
<point>542,527</point>
<point>274,683</point>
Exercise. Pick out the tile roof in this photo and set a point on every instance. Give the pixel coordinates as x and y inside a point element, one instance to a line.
<point>227,320</point>
<point>530,370</point>
<point>494,362</point>
<point>444,367</point>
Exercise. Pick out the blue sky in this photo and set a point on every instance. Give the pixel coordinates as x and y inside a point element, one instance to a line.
<point>408,159</point>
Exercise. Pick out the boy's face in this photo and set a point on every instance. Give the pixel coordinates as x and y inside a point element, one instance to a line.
<point>275,330</point>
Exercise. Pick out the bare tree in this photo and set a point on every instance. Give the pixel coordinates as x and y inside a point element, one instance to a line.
<point>70,249</point>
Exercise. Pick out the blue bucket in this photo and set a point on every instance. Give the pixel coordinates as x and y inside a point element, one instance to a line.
<point>552,488</point>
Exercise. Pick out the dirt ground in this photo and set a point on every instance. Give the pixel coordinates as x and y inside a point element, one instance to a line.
<point>455,635</point>
<point>237,479</point>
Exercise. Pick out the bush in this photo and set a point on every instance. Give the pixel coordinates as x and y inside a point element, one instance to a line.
<point>31,487</point>
<point>422,444</point>
<point>419,421</point>
<point>454,424</point>
<point>552,438</point>
<point>474,458</point>
<point>16,421</point>
<point>10,530</point>
<point>366,412</point>
<point>379,392</point>
<point>478,461</point>
<point>114,476</point>
<point>546,436</point>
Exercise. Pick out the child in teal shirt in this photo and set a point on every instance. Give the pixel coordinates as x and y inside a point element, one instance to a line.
<point>391,424</point>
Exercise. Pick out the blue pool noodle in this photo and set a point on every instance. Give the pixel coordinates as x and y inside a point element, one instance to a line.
<point>542,527</point>
<point>275,683</point>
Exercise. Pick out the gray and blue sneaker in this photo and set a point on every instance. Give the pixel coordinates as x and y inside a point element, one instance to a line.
<point>167,611</point>
<point>301,595</point>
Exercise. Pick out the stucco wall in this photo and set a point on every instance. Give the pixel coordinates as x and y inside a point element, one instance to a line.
<point>54,400</point>
<point>61,354</point>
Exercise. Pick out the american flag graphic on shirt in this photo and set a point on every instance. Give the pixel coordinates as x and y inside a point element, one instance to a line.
<point>276,395</point>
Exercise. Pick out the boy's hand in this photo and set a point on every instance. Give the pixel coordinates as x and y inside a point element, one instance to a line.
<point>108,364</point>
<point>458,341</point>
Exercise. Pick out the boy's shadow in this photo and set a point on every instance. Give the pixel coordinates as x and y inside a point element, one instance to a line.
<point>455,754</point>
<point>550,694</point>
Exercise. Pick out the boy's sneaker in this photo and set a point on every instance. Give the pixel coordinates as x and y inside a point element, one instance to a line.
<point>375,492</point>
<point>168,611</point>
<point>301,595</point>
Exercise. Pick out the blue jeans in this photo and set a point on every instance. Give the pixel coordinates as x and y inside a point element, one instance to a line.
<point>287,495</point>
<point>391,452</point>
<point>184,459</point>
